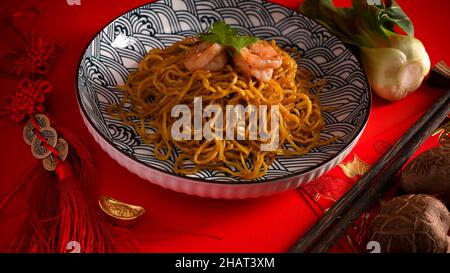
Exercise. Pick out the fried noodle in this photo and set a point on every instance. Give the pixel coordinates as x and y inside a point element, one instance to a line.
<point>161,82</point>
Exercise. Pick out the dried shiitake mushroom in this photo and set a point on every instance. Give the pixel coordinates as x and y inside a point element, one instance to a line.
<point>429,172</point>
<point>412,223</point>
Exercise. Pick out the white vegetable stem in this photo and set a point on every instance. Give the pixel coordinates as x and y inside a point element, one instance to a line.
<point>397,70</point>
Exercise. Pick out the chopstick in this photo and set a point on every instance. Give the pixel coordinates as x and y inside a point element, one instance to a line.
<point>381,183</point>
<point>320,237</point>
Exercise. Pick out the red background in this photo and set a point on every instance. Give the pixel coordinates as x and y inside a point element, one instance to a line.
<point>174,221</point>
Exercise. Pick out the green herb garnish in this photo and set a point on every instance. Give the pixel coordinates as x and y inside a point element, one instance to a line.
<point>225,35</point>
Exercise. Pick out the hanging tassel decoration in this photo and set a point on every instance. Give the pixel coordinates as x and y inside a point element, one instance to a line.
<point>64,215</point>
<point>62,199</point>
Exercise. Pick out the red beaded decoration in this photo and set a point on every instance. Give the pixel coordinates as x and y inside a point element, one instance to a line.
<point>36,58</point>
<point>28,99</point>
<point>63,198</point>
<point>31,65</point>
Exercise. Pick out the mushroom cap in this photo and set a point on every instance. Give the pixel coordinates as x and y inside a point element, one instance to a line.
<point>411,223</point>
<point>429,172</point>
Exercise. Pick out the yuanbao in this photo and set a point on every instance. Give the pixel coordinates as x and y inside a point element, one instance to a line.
<point>395,64</point>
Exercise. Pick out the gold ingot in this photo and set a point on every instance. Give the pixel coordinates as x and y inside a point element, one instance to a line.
<point>120,213</point>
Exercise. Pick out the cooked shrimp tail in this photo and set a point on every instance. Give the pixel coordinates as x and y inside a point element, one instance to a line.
<point>206,56</point>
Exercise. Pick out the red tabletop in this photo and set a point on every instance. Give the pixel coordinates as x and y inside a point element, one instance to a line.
<point>177,222</point>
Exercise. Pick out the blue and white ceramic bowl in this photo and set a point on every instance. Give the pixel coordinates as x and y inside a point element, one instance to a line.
<point>116,50</point>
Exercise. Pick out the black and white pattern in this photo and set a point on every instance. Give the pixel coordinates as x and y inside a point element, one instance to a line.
<point>118,48</point>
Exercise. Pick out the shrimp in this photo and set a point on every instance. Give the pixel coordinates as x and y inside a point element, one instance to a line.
<point>261,55</point>
<point>206,56</point>
<point>263,75</point>
<point>258,60</point>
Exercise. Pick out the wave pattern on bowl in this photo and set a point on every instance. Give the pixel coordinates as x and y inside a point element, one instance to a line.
<point>118,48</point>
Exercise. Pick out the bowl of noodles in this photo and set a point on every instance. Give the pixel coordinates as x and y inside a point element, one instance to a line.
<point>222,99</point>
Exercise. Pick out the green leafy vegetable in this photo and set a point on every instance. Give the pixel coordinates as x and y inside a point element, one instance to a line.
<point>395,64</point>
<point>223,34</point>
<point>362,24</point>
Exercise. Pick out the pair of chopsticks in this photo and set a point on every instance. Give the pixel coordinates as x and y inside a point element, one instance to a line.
<point>337,220</point>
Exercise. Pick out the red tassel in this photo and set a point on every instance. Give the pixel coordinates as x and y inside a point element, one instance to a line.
<point>63,207</point>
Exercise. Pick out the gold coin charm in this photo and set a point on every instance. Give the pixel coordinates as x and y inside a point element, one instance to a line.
<point>28,134</point>
<point>120,213</point>
<point>62,147</point>
<point>38,150</point>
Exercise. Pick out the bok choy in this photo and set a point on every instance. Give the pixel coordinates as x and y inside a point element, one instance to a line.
<point>395,63</point>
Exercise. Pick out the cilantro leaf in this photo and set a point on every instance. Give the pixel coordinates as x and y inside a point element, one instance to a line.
<point>222,29</point>
<point>211,38</point>
<point>239,42</point>
<point>224,34</point>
